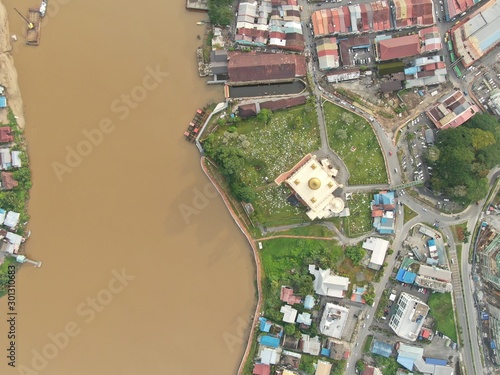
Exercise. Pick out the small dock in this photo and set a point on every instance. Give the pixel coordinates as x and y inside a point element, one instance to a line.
<point>34,27</point>
<point>194,126</point>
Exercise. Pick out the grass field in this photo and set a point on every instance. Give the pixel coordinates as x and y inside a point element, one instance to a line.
<point>360,220</point>
<point>310,230</point>
<point>442,311</point>
<point>353,139</point>
<point>368,344</point>
<point>408,214</point>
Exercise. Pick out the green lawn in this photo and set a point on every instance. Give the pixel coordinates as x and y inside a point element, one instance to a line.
<point>269,150</point>
<point>360,220</point>
<point>442,311</point>
<point>310,230</point>
<point>368,344</point>
<point>353,139</point>
<point>408,214</point>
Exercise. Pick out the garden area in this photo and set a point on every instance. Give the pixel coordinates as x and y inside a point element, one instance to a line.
<point>441,309</point>
<point>353,139</point>
<point>285,261</point>
<point>360,220</point>
<point>251,153</point>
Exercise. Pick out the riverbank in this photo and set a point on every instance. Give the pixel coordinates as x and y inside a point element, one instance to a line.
<point>258,266</point>
<point>8,72</point>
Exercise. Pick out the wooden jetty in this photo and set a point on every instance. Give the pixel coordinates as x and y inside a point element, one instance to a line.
<point>34,27</point>
<point>194,126</point>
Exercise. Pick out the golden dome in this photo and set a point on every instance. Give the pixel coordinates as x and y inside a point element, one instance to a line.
<point>314,183</point>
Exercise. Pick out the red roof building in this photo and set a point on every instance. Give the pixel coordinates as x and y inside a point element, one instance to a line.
<point>410,13</point>
<point>287,296</point>
<point>261,369</point>
<point>451,111</point>
<point>8,182</point>
<point>6,134</point>
<point>398,48</point>
<point>264,67</point>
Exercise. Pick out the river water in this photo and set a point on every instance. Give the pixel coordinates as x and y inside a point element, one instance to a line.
<point>144,272</point>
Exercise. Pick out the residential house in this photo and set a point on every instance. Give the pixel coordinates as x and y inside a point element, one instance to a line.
<point>304,319</point>
<point>370,370</point>
<point>382,348</point>
<point>261,369</point>
<point>309,302</point>
<point>287,296</point>
<point>323,368</point>
<point>5,158</point>
<point>12,219</point>
<point>289,313</point>
<point>8,181</point>
<point>383,209</point>
<point>6,135</point>
<point>310,345</point>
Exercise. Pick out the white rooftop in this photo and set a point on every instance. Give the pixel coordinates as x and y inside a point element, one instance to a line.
<point>313,182</point>
<point>333,320</point>
<point>311,345</point>
<point>436,273</point>
<point>326,284</point>
<point>289,313</point>
<point>12,219</point>
<point>378,247</point>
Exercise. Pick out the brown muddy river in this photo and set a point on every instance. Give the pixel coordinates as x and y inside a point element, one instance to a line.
<point>129,285</point>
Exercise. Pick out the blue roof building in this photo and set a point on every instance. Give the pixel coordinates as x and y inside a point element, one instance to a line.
<point>383,209</point>
<point>3,101</point>
<point>382,348</point>
<point>325,352</point>
<point>407,355</point>
<point>309,302</point>
<point>272,342</point>
<point>265,325</point>
<point>405,276</point>
<point>431,242</point>
<point>435,361</point>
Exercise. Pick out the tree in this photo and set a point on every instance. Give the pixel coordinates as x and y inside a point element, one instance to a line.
<point>355,253</point>
<point>410,136</point>
<point>265,116</point>
<point>290,329</point>
<point>341,134</point>
<point>220,12</point>
<point>481,139</point>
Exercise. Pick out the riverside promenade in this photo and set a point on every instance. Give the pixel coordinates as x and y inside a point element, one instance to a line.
<point>258,265</point>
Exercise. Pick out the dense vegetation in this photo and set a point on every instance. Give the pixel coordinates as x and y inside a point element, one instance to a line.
<point>220,12</point>
<point>463,157</point>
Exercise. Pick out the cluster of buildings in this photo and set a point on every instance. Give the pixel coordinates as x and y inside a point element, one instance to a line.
<point>412,358</point>
<point>313,184</point>
<point>477,34</point>
<point>373,17</point>
<point>451,111</point>
<point>9,159</point>
<point>272,23</point>
<point>383,208</point>
<point>283,352</point>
